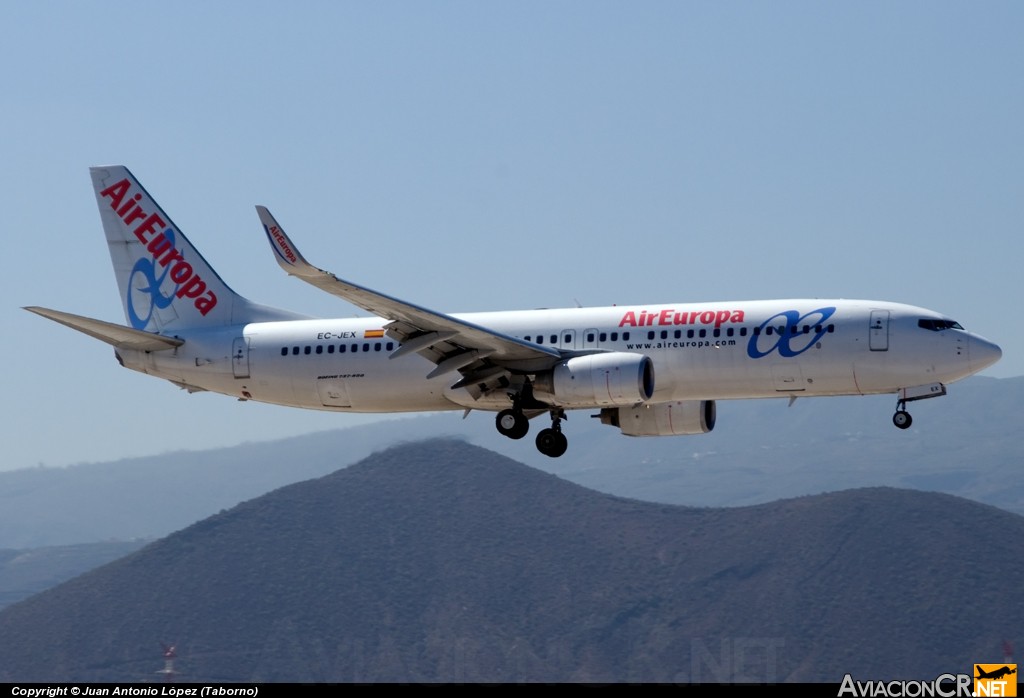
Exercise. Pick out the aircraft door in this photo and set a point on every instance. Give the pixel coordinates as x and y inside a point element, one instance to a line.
<point>240,357</point>
<point>878,338</point>
<point>590,339</point>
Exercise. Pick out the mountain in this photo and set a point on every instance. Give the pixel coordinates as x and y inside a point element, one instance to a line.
<point>966,444</point>
<point>441,561</point>
<point>26,572</point>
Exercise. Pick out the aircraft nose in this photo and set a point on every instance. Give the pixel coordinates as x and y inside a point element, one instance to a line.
<point>983,353</point>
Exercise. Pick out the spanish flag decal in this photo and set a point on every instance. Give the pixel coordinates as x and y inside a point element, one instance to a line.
<point>373,334</point>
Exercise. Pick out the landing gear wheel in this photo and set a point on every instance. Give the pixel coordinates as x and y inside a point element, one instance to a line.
<point>512,423</point>
<point>552,442</point>
<point>902,419</point>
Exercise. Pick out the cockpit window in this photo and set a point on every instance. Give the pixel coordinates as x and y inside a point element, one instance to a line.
<point>936,325</point>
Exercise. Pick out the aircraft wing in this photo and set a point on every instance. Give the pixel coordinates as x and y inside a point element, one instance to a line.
<point>116,335</point>
<point>452,344</point>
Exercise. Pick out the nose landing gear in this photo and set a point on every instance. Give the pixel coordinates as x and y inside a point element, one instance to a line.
<point>902,418</point>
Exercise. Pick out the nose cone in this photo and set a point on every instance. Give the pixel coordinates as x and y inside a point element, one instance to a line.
<point>983,353</point>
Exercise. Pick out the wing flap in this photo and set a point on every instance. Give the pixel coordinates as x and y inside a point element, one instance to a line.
<point>118,336</point>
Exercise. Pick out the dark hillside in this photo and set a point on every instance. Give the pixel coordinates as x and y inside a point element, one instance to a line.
<point>441,561</point>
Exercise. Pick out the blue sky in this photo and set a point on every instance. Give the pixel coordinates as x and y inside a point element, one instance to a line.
<point>474,156</point>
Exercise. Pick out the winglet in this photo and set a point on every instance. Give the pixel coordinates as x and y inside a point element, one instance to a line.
<point>287,254</point>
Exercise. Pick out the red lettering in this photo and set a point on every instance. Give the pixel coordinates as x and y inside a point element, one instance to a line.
<point>158,245</point>
<point>124,209</point>
<point>207,303</point>
<point>172,256</point>
<point>180,272</point>
<point>668,316</point>
<point>193,289</point>
<point>135,215</point>
<point>149,225</point>
<point>116,193</point>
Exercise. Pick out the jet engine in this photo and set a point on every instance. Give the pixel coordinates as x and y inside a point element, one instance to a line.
<point>664,419</point>
<point>612,378</point>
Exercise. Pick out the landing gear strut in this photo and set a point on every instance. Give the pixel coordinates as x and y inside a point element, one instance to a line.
<point>552,442</point>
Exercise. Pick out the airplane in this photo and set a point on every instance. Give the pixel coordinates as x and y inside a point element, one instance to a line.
<point>649,370</point>
<point>995,674</point>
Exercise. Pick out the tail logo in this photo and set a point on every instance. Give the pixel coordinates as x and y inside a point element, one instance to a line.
<point>158,237</point>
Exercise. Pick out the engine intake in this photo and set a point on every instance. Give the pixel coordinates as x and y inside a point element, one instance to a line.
<point>594,380</point>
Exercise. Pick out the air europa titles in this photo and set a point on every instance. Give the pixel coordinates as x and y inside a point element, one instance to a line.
<point>669,316</point>
<point>158,237</point>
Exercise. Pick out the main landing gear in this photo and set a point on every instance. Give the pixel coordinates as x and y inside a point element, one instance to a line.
<point>514,424</point>
<point>552,442</point>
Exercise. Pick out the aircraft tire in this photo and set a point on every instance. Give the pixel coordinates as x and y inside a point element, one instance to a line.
<point>552,443</point>
<point>512,424</point>
<point>902,419</point>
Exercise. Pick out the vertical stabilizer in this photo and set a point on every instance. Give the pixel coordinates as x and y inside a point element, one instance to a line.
<point>165,283</point>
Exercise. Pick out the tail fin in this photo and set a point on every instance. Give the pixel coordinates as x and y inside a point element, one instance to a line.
<point>165,283</point>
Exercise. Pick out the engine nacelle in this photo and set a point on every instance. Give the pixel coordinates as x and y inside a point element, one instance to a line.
<point>664,419</point>
<point>612,378</point>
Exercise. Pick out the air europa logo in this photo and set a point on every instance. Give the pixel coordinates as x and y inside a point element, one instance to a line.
<point>669,316</point>
<point>158,237</point>
<point>789,333</point>
<point>281,243</point>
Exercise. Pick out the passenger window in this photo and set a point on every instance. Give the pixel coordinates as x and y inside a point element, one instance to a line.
<point>625,336</point>
<point>689,334</point>
<point>615,336</point>
<point>307,350</point>
<point>366,347</point>
<point>355,348</point>
<point>602,337</point>
<point>295,351</point>
<point>554,339</point>
<point>590,336</point>
<point>284,351</point>
<point>389,346</point>
<point>717,332</point>
<point>703,334</point>
<point>341,348</point>
<point>319,348</point>
<point>376,347</point>
<point>650,334</point>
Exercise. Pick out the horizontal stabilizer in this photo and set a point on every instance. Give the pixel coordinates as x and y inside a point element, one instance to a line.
<point>116,335</point>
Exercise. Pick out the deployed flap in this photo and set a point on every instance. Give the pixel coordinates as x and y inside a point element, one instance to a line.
<point>409,321</point>
<point>117,335</point>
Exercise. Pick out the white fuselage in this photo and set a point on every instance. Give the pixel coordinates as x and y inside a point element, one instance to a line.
<point>704,351</point>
